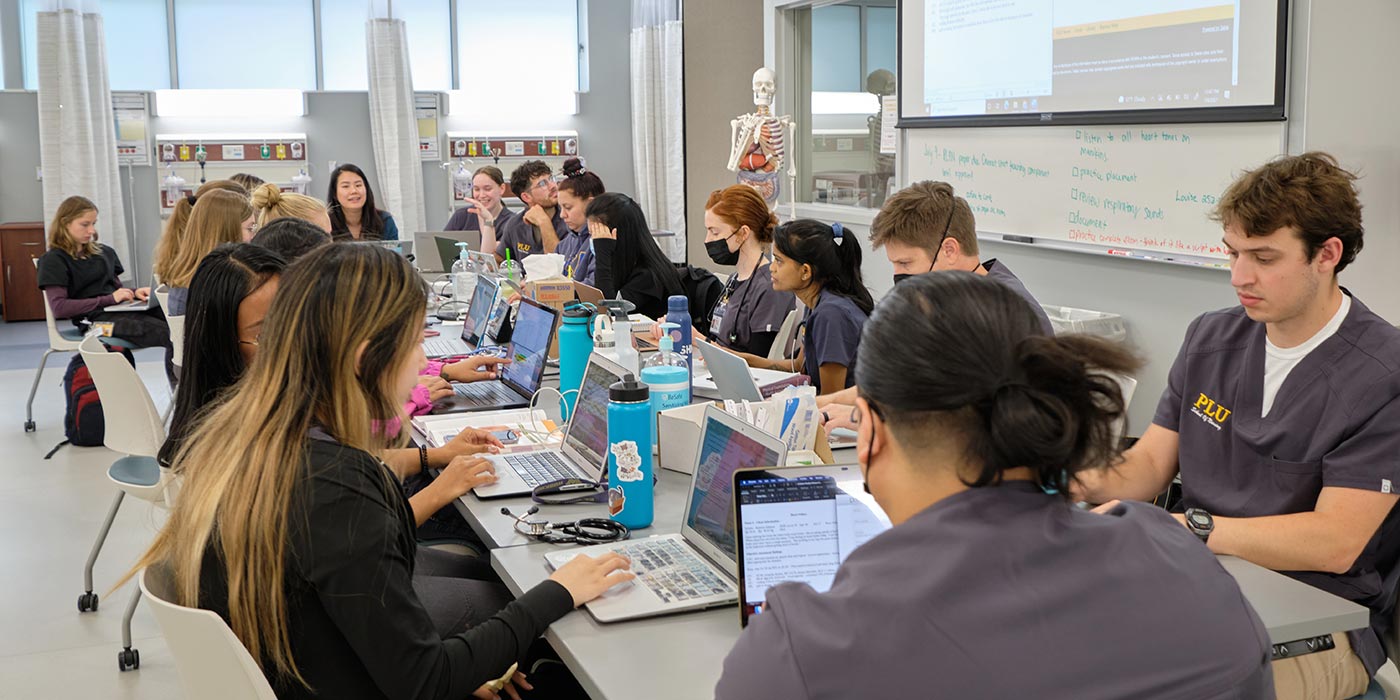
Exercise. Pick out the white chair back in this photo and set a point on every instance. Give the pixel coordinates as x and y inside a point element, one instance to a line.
<point>782,345</point>
<point>56,340</point>
<point>132,423</point>
<point>213,664</point>
<point>1128,386</point>
<point>177,337</point>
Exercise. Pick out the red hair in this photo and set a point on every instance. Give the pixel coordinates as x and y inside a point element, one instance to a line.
<point>741,205</point>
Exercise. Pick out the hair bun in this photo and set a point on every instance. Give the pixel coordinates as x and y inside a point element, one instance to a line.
<point>267,195</point>
<point>573,167</point>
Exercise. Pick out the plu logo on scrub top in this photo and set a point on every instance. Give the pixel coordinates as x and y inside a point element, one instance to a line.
<point>1211,412</point>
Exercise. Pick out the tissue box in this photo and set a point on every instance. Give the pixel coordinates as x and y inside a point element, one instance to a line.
<point>555,294</point>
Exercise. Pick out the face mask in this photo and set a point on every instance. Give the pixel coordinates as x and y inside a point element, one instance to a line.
<point>720,253</point>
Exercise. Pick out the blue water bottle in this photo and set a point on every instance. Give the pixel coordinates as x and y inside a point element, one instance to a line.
<point>678,312</point>
<point>575,345</point>
<point>629,453</point>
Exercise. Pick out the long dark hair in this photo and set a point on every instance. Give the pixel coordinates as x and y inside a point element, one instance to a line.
<point>290,237</point>
<point>1014,396</point>
<point>835,260</point>
<point>635,246</point>
<point>371,219</point>
<point>213,363</point>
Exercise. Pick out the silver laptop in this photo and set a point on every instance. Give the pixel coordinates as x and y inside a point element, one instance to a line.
<point>798,524</point>
<point>474,326</point>
<point>433,256</point>
<point>402,247</point>
<point>528,348</point>
<point>728,376</point>
<point>696,568</point>
<point>584,452</point>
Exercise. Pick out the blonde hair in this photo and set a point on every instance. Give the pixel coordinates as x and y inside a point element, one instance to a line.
<point>270,202</point>
<point>248,456</point>
<point>180,218</point>
<point>247,181</point>
<point>70,210</point>
<point>217,218</point>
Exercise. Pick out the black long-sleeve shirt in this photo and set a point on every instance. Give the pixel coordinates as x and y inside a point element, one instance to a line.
<point>640,286</point>
<point>357,629</point>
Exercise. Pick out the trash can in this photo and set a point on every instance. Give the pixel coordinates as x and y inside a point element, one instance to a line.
<point>1105,325</point>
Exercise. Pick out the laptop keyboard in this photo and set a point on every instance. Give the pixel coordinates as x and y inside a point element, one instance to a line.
<point>673,571</point>
<point>440,347</point>
<point>487,392</point>
<point>539,467</point>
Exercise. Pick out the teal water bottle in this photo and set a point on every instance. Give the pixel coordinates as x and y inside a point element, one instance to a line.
<point>629,453</point>
<point>575,345</point>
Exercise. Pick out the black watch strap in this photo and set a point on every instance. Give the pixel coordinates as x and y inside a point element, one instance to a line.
<point>1200,522</point>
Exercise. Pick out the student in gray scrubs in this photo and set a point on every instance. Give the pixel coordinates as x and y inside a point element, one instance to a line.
<point>923,228</point>
<point>821,265</point>
<point>1282,415</point>
<point>537,229</point>
<point>579,186</point>
<point>991,584</point>
<point>738,230</point>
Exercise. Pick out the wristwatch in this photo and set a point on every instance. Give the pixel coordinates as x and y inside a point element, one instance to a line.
<point>1200,522</point>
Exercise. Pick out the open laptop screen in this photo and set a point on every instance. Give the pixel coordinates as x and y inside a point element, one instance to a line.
<point>799,525</point>
<point>723,450</point>
<point>483,299</point>
<point>529,344</point>
<point>588,426</point>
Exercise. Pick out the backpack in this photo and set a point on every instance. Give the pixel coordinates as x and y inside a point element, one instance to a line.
<point>83,423</point>
<point>703,289</point>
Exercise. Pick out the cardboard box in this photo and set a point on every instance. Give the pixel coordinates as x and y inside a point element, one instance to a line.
<point>554,294</point>
<point>678,439</point>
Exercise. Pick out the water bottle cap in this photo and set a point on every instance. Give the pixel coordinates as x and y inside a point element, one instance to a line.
<point>678,302</point>
<point>577,313</point>
<point>629,390</point>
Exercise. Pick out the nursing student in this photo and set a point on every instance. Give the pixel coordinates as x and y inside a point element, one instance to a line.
<point>354,216</point>
<point>579,186</point>
<point>485,212</point>
<point>820,264</point>
<point>991,583</point>
<point>81,277</point>
<point>290,526</point>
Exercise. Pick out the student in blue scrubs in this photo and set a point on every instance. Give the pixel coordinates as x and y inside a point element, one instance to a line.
<point>1282,415</point>
<point>579,186</point>
<point>991,584</point>
<point>820,263</point>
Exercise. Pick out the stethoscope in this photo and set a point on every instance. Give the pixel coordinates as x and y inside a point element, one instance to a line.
<point>581,531</point>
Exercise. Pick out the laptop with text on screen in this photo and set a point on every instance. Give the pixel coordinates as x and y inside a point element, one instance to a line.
<point>695,569</point>
<point>798,524</point>
<point>529,344</point>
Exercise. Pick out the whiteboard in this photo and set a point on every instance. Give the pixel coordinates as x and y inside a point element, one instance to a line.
<point>1138,191</point>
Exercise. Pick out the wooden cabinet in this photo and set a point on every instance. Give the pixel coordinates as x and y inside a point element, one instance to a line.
<point>20,245</point>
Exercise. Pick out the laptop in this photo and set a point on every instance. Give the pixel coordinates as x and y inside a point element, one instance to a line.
<point>135,304</point>
<point>529,344</point>
<point>402,247</point>
<point>695,569</point>
<point>798,524</point>
<point>728,376</point>
<point>437,250</point>
<point>474,326</point>
<point>584,452</point>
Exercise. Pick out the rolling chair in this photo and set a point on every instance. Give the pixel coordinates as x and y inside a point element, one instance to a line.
<point>213,664</point>
<point>64,340</point>
<point>135,429</point>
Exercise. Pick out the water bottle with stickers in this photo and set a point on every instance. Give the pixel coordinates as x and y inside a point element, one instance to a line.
<point>629,453</point>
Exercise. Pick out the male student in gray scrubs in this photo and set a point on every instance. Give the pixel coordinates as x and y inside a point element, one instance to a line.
<point>537,229</point>
<point>926,227</point>
<point>1282,415</point>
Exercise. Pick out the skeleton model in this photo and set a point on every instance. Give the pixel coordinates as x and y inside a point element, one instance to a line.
<point>879,83</point>
<point>758,151</point>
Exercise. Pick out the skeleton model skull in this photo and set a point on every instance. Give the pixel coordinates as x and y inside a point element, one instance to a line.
<point>758,150</point>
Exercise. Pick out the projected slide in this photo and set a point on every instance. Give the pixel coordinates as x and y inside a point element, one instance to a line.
<point>1004,57</point>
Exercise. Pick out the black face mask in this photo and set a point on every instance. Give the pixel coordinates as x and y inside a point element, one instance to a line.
<point>720,253</point>
<point>936,250</point>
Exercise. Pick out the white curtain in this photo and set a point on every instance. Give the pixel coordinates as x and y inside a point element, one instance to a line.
<point>658,118</point>
<point>77,138</point>
<point>393,128</point>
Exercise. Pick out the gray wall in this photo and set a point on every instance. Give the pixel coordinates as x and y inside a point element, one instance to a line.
<point>723,47</point>
<point>337,127</point>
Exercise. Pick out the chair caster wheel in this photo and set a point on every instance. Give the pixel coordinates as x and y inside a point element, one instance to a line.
<point>128,659</point>
<point>87,602</point>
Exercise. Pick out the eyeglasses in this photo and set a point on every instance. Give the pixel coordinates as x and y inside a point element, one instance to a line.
<point>543,184</point>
